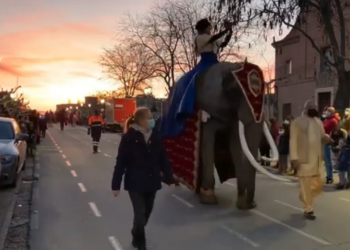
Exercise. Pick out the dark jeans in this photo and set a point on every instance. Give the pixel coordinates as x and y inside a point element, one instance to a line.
<point>95,140</point>
<point>143,205</point>
<point>265,151</point>
<point>62,125</point>
<point>43,133</point>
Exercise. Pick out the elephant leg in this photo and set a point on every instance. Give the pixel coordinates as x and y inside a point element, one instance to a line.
<point>253,134</point>
<point>245,172</point>
<point>236,154</point>
<point>207,194</point>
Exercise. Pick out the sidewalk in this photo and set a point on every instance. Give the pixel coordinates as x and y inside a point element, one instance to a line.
<point>323,174</point>
<point>14,234</point>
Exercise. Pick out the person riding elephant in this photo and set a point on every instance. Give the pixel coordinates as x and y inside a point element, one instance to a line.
<point>215,118</point>
<point>182,99</point>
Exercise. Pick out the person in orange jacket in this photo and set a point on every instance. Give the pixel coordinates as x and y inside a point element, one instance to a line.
<point>96,127</point>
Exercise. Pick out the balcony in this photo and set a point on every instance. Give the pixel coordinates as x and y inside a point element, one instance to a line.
<point>326,79</point>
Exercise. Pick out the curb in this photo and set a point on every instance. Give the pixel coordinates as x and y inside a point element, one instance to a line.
<point>7,222</point>
<point>5,227</point>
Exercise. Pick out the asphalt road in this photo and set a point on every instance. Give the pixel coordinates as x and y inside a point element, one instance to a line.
<point>74,208</point>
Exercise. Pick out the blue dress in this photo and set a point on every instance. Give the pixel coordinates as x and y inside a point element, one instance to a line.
<point>182,99</point>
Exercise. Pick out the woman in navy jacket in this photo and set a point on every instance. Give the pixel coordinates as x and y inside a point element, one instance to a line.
<point>143,160</point>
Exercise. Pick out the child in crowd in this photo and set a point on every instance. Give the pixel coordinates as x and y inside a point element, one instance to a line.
<point>343,164</point>
<point>283,148</point>
<point>340,148</point>
<point>337,136</point>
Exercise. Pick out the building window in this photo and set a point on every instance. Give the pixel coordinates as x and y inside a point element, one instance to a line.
<point>289,67</point>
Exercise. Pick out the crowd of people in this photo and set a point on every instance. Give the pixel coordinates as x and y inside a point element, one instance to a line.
<point>31,122</point>
<point>336,156</point>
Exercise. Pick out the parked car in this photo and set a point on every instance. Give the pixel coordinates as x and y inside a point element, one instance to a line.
<point>13,149</point>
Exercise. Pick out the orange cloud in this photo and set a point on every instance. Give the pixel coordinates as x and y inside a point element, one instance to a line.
<point>32,19</point>
<point>70,39</point>
<point>82,74</point>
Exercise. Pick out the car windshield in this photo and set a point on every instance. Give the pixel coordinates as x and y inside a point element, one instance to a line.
<point>6,131</point>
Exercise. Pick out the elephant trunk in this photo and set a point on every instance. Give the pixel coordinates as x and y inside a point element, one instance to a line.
<point>251,158</point>
<point>272,145</point>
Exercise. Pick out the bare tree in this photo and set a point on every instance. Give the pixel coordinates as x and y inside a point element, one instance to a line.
<point>119,93</point>
<point>130,66</point>
<point>168,32</point>
<point>331,16</point>
<point>157,37</point>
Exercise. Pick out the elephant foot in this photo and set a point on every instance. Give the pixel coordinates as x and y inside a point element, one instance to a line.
<point>207,197</point>
<point>241,204</point>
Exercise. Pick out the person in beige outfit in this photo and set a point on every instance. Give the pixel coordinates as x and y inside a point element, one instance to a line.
<point>307,138</point>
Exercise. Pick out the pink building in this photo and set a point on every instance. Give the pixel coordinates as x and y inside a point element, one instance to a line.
<point>306,73</point>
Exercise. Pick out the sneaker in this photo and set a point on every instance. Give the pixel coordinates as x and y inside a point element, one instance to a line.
<point>329,181</point>
<point>309,215</point>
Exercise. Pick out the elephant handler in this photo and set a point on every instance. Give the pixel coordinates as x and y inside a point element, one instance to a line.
<point>307,139</point>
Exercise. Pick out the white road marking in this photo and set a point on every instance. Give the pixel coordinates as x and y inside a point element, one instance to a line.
<point>108,140</point>
<point>99,151</point>
<point>107,155</point>
<point>68,163</point>
<point>34,221</point>
<point>61,151</point>
<point>290,183</point>
<point>95,209</point>
<point>298,231</point>
<point>58,147</point>
<point>82,187</point>
<point>288,205</point>
<point>64,157</point>
<point>73,173</point>
<point>115,243</point>
<point>116,143</point>
<point>182,200</point>
<point>344,199</point>
<point>239,235</point>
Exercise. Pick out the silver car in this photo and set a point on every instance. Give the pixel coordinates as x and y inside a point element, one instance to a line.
<point>13,150</point>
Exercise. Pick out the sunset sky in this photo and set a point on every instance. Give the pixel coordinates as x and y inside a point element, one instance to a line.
<point>53,47</point>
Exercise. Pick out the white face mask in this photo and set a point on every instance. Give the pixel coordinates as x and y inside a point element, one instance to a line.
<point>328,114</point>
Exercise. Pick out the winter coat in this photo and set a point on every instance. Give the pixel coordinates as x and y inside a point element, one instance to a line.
<point>143,165</point>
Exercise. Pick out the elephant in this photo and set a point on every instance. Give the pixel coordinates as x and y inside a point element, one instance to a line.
<point>234,127</point>
<point>230,100</point>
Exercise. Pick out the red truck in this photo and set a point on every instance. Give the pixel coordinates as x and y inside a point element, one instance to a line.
<point>117,111</point>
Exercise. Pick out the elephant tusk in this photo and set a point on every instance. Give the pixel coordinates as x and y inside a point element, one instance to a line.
<point>267,159</point>
<point>251,158</point>
<point>272,144</point>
